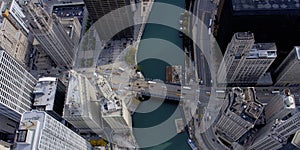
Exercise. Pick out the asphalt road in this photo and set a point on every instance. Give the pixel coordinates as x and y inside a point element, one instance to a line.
<point>204,11</point>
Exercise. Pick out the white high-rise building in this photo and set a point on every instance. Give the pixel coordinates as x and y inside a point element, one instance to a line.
<point>82,109</point>
<point>16,86</point>
<point>40,131</point>
<point>114,110</point>
<point>52,36</point>
<point>245,62</point>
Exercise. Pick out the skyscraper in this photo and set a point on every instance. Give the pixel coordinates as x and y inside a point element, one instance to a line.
<point>14,32</point>
<point>38,130</point>
<point>81,107</point>
<point>288,72</point>
<point>73,28</point>
<point>16,86</point>
<point>50,34</point>
<point>114,110</point>
<point>245,62</point>
<point>115,115</point>
<point>49,96</point>
<point>239,115</point>
<point>116,16</point>
<point>276,133</point>
<point>280,106</point>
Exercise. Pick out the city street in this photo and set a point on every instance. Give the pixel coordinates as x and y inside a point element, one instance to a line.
<point>203,12</point>
<point>206,66</point>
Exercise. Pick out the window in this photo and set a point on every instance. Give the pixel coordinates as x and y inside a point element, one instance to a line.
<point>21,135</point>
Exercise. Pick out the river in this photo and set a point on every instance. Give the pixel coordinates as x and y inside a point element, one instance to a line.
<point>154,120</point>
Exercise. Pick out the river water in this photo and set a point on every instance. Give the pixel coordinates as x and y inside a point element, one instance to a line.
<point>154,120</point>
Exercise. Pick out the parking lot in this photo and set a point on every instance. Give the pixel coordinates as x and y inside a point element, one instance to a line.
<point>69,11</point>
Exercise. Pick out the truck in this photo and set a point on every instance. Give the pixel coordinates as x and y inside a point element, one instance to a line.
<point>121,69</point>
<point>275,92</point>
<point>151,82</point>
<point>186,87</point>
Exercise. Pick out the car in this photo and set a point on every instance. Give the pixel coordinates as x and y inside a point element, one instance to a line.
<point>210,22</point>
<point>180,21</point>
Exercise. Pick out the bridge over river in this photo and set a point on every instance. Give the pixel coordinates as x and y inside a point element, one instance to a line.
<point>165,91</point>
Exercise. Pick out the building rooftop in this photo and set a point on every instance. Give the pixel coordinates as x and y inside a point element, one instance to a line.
<point>38,130</point>
<point>289,100</point>
<point>111,103</point>
<point>296,139</point>
<point>263,50</point>
<point>44,92</point>
<point>243,103</point>
<point>267,5</point>
<point>11,8</point>
<point>244,35</point>
<point>75,102</point>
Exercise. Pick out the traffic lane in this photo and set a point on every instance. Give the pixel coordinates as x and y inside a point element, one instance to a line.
<point>212,139</point>
<point>204,47</point>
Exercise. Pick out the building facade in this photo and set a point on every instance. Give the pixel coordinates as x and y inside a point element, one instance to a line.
<point>16,86</point>
<point>38,130</point>
<point>245,62</point>
<point>275,134</point>
<point>239,115</point>
<point>115,16</point>
<point>288,72</point>
<point>82,109</point>
<point>14,32</point>
<point>52,36</point>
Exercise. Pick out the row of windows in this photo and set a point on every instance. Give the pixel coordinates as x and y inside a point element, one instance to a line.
<point>56,51</point>
<point>9,88</point>
<point>11,71</point>
<point>8,103</point>
<point>13,103</point>
<point>9,61</point>
<point>14,88</point>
